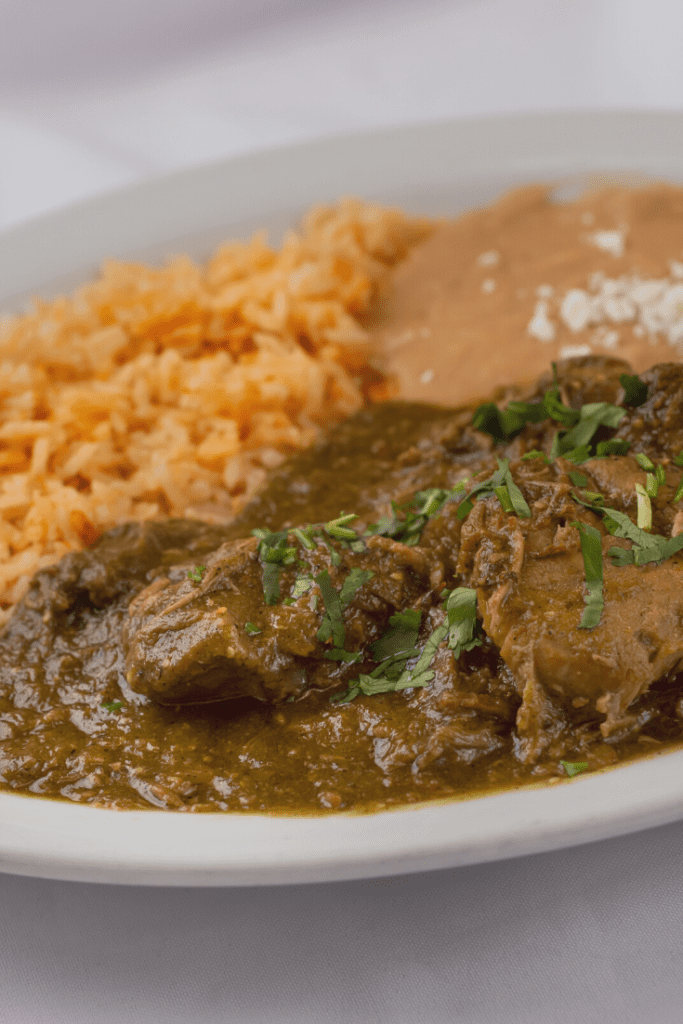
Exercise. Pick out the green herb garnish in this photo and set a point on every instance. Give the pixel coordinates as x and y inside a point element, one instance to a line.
<point>643,461</point>
<point>251,629</point>
<point>275,554</point>
<point>461,611</point>
<point>613,446</point>
<point>591,417</point>
<point>574,767</point>
<point>501,478</point>
<point>332,626</point>
<point>196,575</point>
<point>400,639</point>
<point>397,646</point>
<point>339,529</point>
<point>302,584</point>
<point>112,706</point>
<point>644,507</point>
<point>578,479</point>
<point>591,549</point>
<point>635,389</point>
<point>536,454</point>
<point>647,547</point>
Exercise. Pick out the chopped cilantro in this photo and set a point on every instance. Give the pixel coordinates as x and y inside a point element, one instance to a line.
<point>251,629</point>
<point>647,547</point>
<point>302,584</point>
<point>275,555</point>
<point>591,549</point>
<point>332,626</point>
<point>635,389</point>
<point>576,455</point>
<point>614,446</point>
<point>678,459</point>
<point>536,454</point>
<point>501,478</point>
<point>461,610</point>
<point>195,575</point>
<point>574,767</point>
<point>679,492</point>
<point>578,479</point>
<point>339,529</point>
<point>591,417</point>
<point>424,506</point>
<point>660,475</point>
<point>112,706</point>
<point>400,637</point>
<point>396,647</point>
<point>304,535</point>
<point>643,461</point>
<point>644,507</point>
<point>504,498</point>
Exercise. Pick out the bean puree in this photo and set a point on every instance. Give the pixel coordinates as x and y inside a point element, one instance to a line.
<point>456,318</point>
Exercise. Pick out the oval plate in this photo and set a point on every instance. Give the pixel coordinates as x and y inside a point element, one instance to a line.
<point>439,168</point>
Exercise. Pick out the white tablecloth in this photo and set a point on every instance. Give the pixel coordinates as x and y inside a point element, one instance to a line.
<point>94,95</point>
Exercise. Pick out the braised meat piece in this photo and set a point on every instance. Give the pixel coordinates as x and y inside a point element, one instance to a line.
<point>529,576</point>
<point>190,641</point>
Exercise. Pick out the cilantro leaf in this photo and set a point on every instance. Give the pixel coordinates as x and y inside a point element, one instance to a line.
<point>536,454</point>
<point>461,612</point>
<point>274,554</point>
<point>353,582</point>
<point>302,584</point>
<point>339,529</point>
<point>112,706</point>
<point>332,624</point>
<point>613,446</point>
<point>400,637</point>
<point>251,629</point>
<point>574,767</point>
<point>196,575</point>
<point>591,417</point>
<point>643,461</point>
<point>591,549</point>
<point>644,507</point>
<point>635,389</point>
<point>647,547</point>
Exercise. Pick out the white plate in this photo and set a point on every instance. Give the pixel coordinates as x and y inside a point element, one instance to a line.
<point>437,168</point>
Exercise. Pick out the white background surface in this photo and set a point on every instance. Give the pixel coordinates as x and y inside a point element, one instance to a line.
<point>94,95</point>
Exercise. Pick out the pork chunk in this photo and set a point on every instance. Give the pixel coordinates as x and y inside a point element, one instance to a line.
<point>529,575</point>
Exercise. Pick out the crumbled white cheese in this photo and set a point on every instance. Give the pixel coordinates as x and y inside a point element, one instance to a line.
<point>488,285</point>
<point>676,268</point>
<point>576,309</point>
<point>608,339</point>
<point>427,377</point>
<point>540,325</point>
<point>609,241</point>
<point>571,351</point>
<point>653,307</point>
<point>489,259</point>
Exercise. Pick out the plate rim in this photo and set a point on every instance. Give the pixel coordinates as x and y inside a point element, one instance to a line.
<point>180,848</point>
